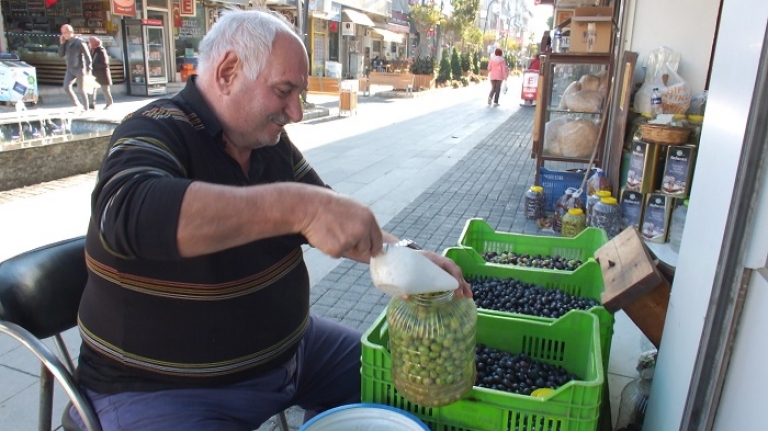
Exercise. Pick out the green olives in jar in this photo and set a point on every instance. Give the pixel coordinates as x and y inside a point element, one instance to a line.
<point>432,345</point>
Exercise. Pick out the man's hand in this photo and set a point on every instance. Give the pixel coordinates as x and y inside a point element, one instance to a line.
<point>341,227</point>
<point>464,290</point>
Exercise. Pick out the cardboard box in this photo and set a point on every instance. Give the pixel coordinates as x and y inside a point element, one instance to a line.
<point>591,30</point>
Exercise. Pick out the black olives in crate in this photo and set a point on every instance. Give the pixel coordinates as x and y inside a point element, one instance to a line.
<point>515,296</point>
<point>532,261</point>
<point>516,373</point>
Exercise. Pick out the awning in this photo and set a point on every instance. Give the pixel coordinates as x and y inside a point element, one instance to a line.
<point>389,36</point>
<point>358,17</point>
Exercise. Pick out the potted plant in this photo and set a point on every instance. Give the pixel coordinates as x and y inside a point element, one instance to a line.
<point>484,66</point>
<point>423,68</point>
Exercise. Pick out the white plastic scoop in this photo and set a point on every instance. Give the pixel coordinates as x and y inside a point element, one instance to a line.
<point>399,271</point>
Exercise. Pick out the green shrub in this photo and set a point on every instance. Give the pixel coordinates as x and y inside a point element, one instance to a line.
<point>465,63</point>
<point>423,66</point>
<point>484,63</point>
<point>455,64</point>
<point>444,74</point>
<point>476,62</point>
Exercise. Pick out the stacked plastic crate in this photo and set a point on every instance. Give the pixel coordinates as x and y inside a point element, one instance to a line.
<point>578,341</point>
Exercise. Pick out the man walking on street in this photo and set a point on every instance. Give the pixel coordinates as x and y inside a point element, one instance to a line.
<point>78,59</point>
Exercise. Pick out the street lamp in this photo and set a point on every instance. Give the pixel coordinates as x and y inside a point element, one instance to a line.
<point>487,11</point>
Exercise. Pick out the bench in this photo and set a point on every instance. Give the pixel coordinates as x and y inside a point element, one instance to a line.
<point>322,85</point>
<point>398,81</point>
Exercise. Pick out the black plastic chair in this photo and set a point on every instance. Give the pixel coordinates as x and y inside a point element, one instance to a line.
<point>40,293</point>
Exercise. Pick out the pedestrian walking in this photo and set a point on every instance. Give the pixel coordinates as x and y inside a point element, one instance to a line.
<point>78,60</point>
<point>101,71</point>
<point>196,313</point>
<point>497,73</point>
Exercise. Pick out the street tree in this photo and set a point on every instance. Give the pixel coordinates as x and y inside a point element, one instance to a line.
<point>425,17</point>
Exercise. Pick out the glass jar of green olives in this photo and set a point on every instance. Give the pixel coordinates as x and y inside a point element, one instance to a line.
<point>432,344</point>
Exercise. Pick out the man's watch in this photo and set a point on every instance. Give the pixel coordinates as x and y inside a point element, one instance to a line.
<point>408,243</point>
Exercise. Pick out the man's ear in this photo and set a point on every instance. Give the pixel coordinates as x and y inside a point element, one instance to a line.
<point>226,71</point>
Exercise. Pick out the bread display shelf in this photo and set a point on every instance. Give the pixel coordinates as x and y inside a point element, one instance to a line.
<point>573,89</point>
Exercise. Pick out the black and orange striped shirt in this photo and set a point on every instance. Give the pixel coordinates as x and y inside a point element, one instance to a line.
<point>152,320</point>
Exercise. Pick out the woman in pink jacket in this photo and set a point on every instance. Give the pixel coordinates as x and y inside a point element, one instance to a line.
<point>497,72</point>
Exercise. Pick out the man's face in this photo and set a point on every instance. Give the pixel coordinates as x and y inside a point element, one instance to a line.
<point>257,109</point>
<point>67,31</point>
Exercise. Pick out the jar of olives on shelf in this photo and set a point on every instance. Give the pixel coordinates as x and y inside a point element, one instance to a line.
<point>574,221</point>
<point>534,203</point>
<point>432,345</point>
<point>606,215</point>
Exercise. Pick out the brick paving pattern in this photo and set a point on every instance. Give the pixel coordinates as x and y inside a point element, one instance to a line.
<point>488,182</point>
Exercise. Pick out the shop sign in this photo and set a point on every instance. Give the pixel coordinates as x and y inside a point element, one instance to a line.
<point>398,18</point>
<point>123,7</point>
<point>347,29</point>
<point>188,7</point>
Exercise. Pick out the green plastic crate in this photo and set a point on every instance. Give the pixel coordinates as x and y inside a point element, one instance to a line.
<point>571,342</point>
<point>481,237</point>
<point>586,281</point>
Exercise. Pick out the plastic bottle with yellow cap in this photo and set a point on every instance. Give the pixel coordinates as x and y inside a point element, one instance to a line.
<point>534,203</point>
<point>574,221</point>
<point>606,214</point>
<point>592,200</point>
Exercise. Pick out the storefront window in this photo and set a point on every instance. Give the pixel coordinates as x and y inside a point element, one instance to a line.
<point>333,46</point>
<point>161,4</point>
<point>188,32</point>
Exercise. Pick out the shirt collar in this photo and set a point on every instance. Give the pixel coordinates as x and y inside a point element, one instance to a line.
<point>194,100</point>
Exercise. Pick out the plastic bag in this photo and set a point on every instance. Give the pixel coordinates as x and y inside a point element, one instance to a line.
<point>89,82</point>
<point>698,104</point>
<point>504,88</point>
<point>596,182</point>
<point>661,72</point>
<point>677,96</point>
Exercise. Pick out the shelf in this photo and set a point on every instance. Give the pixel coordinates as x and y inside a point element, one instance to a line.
<point>564,159</point>
<point>566,111</point>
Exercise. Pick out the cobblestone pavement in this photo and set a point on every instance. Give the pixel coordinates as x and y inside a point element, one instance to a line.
<point>488,182</point>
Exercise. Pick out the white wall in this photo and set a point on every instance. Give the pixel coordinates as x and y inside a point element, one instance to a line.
<point>685,26</point>
<point>733,78</point>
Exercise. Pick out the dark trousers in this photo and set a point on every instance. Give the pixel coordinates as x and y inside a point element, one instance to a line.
<point>495,90</point>
<point>324,373</point>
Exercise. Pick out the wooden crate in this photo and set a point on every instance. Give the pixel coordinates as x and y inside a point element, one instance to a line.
<point>634,284</point>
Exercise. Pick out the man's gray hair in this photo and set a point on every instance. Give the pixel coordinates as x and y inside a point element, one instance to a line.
<point>249,34</point>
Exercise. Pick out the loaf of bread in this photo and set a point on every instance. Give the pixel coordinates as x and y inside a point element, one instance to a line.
<point>584,101</point>
<point>577,138</point>
<point>589,82</point>
<point>572,88</point>
<point>551,143</point>
<point>604,83</point>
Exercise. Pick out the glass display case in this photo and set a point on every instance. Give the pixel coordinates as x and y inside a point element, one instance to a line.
<point>571,108</point>
<point>146,58</point>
